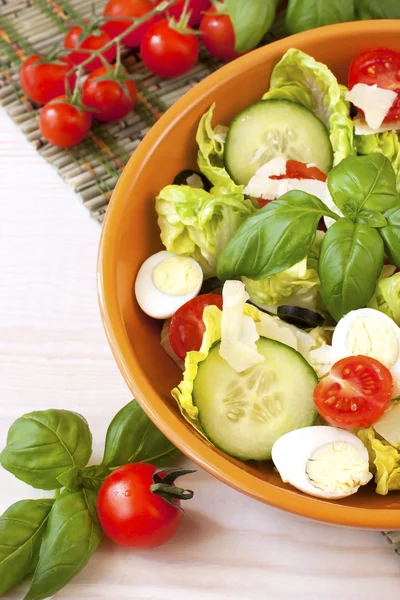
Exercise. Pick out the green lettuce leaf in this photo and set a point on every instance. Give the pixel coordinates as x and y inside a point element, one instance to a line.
<point>386,143</point>
<point>198,224</point>
<point>300,78</point>
<point>384,461</point>
<point>387,297</point>
<point>210,157</point>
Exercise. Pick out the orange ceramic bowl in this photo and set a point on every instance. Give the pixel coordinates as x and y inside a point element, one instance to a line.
<point>130,235</point>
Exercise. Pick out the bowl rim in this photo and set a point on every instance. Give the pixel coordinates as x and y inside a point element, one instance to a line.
<point>170,424</point>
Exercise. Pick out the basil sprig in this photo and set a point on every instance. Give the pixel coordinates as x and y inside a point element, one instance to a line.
<point>53,539</point>
<point>251,20</point>
<point>352,251</point>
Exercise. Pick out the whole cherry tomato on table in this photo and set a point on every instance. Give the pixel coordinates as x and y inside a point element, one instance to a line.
<point>43,78</point>
<point>89,37</point>
<point>218,34</point>
<point>62,123</point>
<point>139,505</point>
<point>355,393</point>
<point>381,67</point>
<point>169,49</point>
<point>110,92</point>
<point>128,9</point>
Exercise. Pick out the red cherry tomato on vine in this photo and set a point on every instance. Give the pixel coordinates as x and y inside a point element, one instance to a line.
<point>218,35</point>
<point>89,37</point>
<point>133,515</point>
<point>380,66</point>
<point>169,52</point>
<point>111,98</point>
<point>296,170</point>
<point>62,123</point>
<point>128,9</point>
<point>196,7</point>
<point>44,78</point>
<point>355,393</point>
<point>186,328</point>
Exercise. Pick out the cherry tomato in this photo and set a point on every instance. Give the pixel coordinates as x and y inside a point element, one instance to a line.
<point>130,513</point>
<point>43,79</point>
<point>89,37</point>
<point>168,52</point>
<point>128,9</point>
<point>196,7</point>
<point>218,35</point>
<point>62,123</point>
<point>355,393</point>
<point>186,328</point>
<point>296,170</point>
<point>112,98</point>
<point>380,66</point>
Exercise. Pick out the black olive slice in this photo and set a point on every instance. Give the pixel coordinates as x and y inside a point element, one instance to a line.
<point>211,286</point>
<point>301,317</point>
<point>184,178</point>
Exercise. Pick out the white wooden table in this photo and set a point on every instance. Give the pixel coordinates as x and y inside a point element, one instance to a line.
<point>54,354</point>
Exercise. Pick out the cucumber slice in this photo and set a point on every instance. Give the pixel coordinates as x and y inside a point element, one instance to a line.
<point>244,414</point>
<point>272,128</point>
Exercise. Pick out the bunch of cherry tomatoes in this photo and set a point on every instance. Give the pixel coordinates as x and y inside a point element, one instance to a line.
<point>169,47</point>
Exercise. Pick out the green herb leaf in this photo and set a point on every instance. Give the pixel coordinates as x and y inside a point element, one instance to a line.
<point>372,218</point>
<point>274,239</point>
<point>43,444</point>
<point>251,20</point>
<point>73,535</point>
<point>308,14</point>
<point>350,262</point>
<point>363,182</point>
<point>391,235</point>
<point>132,437</point>
<point>89,478</point>
<point>378,9</point>
<point>22,528</point>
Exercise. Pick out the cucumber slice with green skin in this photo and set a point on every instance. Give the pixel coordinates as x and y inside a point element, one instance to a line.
<point>272,128</point>
<point>244,414</point>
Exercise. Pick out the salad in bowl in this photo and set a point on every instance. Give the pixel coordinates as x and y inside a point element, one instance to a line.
<point>278,285</point>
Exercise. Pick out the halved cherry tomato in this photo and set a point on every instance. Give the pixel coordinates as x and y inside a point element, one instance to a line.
<point>169,51</point>
<point>44,78</point>
<point>355,393</point>
<point>89,37</point>
<point>296,170</point>
<point>186,328</point>
<point>62,123</point>
<point>128,10</point>
<point>218,35</point>
<point>110,94</point>
<point>380,66</point>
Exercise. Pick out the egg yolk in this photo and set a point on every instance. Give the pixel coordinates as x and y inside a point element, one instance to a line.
<point>374,338</point>
<point>176,276</point>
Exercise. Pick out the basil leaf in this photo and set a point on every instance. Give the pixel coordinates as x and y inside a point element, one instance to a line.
<point>132,437</point>
<point>73,535</point>
<point>274,239</point>
<point>89,478</point>
<point>251,20</point>
<point>372,218</point>
<point>378,9</point>
<point>391,235</point>
<point>350,263</point>
<point>363,182</point>
<point>43,444</point>
<point>22,527</point>
<point>308,14</point>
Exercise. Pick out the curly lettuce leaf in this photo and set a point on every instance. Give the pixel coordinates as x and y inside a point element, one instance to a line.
<point>386,143</point>
<point>210,157</point>
<point>387,297</point>
<point>384,461</point>
<point>198,224</point>
<point>300,78</point>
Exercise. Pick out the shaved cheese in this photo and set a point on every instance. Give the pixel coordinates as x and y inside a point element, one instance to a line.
<point>375,102</point>
<point>361,127</point>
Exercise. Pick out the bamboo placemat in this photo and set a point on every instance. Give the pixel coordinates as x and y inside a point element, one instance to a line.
<point>92,168</point>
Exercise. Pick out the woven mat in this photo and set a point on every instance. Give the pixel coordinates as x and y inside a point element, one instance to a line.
<point>92,168</point>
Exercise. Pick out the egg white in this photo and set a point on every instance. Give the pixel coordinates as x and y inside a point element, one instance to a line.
<point>339,338</point>
<point>291,452</point>
<point>151,300</point>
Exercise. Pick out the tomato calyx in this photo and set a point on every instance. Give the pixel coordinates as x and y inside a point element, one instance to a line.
<point>220,7</point>
<point>182,26</point>
<point>163,485</point>
<point>117,72</point>
<point>73,97</point>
